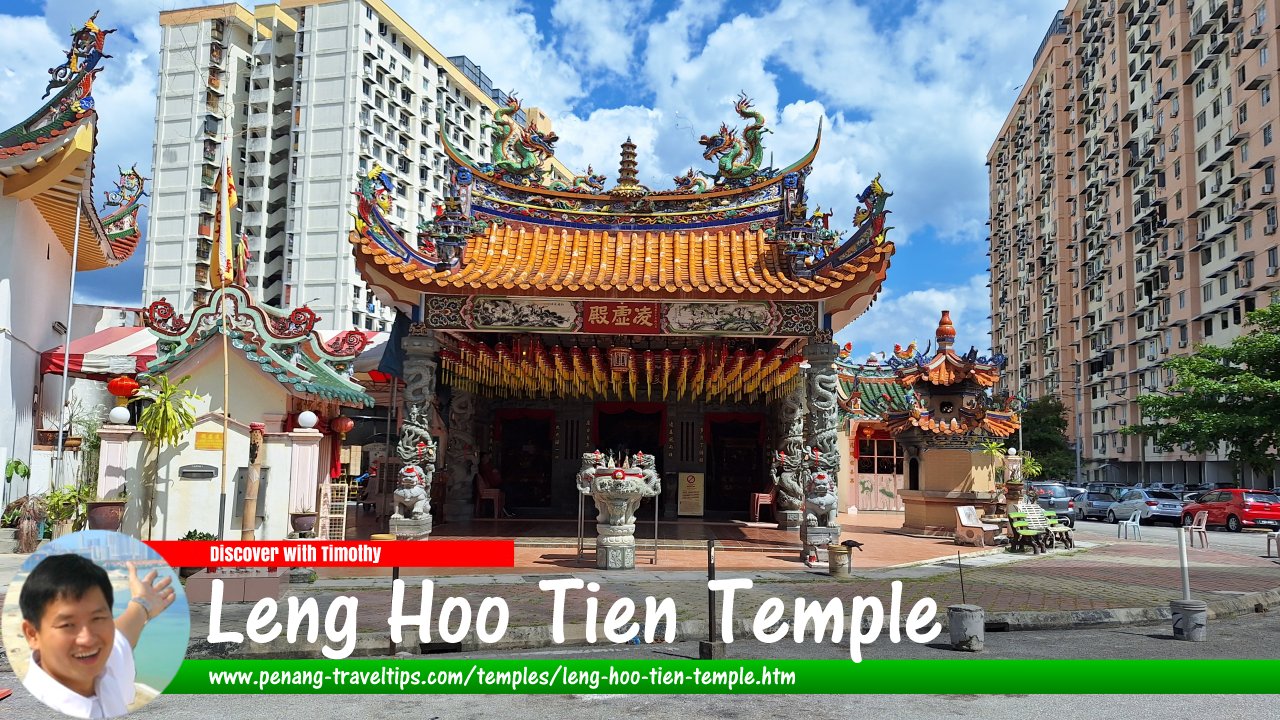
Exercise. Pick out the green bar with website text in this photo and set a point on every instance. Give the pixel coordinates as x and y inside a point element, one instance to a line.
<point>679,676</point>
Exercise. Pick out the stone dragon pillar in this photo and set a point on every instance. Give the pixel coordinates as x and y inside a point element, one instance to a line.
<point>821,428</point>
<point>788,466</point>
<point>460,457</point>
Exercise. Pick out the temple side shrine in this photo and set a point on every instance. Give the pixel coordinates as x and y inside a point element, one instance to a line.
<point>691,324</point>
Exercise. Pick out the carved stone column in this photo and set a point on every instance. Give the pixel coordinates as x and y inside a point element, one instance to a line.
<point>420,348</point>
<point>460,457</point>
<point>821,428</point>
<point>788,469</point>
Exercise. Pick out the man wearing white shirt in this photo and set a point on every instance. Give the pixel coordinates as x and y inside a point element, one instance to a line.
<point>82,658</point>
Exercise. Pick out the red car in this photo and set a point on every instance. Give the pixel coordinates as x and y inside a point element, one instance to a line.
<point>1237,508</point>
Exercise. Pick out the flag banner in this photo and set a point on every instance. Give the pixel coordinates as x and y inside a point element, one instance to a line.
<point>674,676</point>
<point>337,553</point>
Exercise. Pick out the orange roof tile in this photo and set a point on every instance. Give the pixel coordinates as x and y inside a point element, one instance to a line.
<point>538,260</point>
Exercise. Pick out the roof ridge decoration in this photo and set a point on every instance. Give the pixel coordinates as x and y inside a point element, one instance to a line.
<point>521,151</point>
<point>283,343</point>
<point>121,224</point>
<point>75,101</point>
<point>738,157</point>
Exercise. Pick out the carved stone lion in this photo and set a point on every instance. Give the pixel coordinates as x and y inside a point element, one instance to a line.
<point>411,498</point>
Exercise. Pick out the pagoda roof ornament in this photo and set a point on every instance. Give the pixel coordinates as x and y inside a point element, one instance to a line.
<point>628,186</point>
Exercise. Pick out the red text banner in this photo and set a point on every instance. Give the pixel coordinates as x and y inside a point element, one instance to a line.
<point>642,318</point>
<point>336,553</point>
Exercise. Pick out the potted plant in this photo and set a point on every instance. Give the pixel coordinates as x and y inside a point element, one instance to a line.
<point>164,421</point>
<point>71,420</point>
<point>62,506</point>
<point>186,572</point>
<point>26,515</point>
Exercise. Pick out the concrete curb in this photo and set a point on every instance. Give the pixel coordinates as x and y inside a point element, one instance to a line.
<point>539,636</point>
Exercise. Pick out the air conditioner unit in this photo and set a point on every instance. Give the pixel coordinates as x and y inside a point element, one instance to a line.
<point>1182,343</point>
<point>1269,230</point>
<point>1271,271</point>
<point>1200,236</point>
<point>1177,275</point>
<point>1267,188</point>
<point>1151,357</point>
<point>1213,189</point>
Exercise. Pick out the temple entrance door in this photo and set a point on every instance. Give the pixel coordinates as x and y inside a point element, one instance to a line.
<point>630,432</point>
<point>526,464</point>
<point>735,468</point>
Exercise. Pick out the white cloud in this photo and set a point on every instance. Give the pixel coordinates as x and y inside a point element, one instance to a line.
<point>914,315</point>
<point>503,38</point>
<point>598,33</point>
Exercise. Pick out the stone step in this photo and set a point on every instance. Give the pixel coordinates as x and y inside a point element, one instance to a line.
<point>8,540</point>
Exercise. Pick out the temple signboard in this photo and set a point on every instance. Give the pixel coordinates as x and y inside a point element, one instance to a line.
<point>617,317</point>
<point>624,318</point>
<point>690,496</point>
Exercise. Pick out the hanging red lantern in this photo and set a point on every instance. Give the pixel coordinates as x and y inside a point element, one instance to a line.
<point>123,388</point>
<point>342,425</point>
<point>620,359</point>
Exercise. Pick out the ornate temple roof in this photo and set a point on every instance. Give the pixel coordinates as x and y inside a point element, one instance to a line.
<point>744,232</point>
<point>283,344</point>
<point>893,389</point>
<point>48,159</point>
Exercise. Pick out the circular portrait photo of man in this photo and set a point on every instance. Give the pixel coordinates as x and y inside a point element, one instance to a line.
<point>95,624</point>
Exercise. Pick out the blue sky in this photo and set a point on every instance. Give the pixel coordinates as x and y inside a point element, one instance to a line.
<point>915,91</point>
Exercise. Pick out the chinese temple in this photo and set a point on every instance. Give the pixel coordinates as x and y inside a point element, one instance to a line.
<point>921,419</point>
<point>692,323</point>
<point>50,229</point>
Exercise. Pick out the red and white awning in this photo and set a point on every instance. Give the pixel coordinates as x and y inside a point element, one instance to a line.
<point>104,354</point>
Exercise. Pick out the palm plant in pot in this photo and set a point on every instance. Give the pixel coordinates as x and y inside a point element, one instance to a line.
<point>164,422</point>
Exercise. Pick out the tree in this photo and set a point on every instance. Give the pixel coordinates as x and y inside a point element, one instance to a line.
<point>1044,435</point>
<point>164,422</point>
<point>1225,395</point>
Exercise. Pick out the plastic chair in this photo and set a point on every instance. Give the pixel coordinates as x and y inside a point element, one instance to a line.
<point>759,500</point>
<point>1273,537</point>
<point>485,491</point>
<point>1133,522</point>
<point>1199,527</point>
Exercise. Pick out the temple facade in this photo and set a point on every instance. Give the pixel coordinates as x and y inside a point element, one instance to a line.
<point>694,324</point>
<point>49,230</point>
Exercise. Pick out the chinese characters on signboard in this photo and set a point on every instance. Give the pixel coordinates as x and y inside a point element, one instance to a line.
<point>634,318</point>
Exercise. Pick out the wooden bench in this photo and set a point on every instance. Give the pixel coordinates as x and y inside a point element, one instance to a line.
<point>1024,533</point>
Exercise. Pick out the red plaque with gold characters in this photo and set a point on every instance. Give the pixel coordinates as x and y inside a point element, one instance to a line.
<point>639,318</point>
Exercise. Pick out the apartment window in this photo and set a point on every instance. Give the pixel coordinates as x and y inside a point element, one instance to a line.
<point>1182,299</point>
<point>1269,175</point>
<point>1273,257</point>
<point>1199,87</point>
<point>1206,292</point>
<point>368,37</point>
<point>368,13</point>
<point>1243,113</point>
<point>1206,256</point>
<point>1217,107</point>
<point>1177,169</point>
<point>1202,154</point>
<point>1271,215</point>
<point>1224,321</point>
<point>1222,285</point>
<point>1208,327</point>
<point>1244,152</point>
<point>1266,135</point>
<point>1262,56</point>
<point>1201,120</point>
<point>1265,94</point>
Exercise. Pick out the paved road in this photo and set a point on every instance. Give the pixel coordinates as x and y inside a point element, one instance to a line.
<point>1254,636</point>
<point>1252,543</point>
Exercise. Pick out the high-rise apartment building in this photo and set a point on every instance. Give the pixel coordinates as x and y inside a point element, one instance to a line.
<point>1133,213</point>
<point>302,96</point>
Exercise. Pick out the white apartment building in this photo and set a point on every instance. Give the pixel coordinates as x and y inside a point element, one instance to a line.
<point>303,96</point>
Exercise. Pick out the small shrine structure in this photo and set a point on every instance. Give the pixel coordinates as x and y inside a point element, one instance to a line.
<point>940,418</point>
<point>692,324</point>
<point>278,368</point>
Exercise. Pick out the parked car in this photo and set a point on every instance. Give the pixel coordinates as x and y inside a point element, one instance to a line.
<point>1236,509</point>
<point>1151,505</point>
<point>1054,496</point>
<point>1114,489</point>
<point>1094,505</point>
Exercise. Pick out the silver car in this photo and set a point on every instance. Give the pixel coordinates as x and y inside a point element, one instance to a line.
<point>1054,496</point>
<point>1151,505</point>
<point>1094,505</point>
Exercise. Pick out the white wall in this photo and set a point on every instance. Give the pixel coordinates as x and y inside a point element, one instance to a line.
<point>35,275</point>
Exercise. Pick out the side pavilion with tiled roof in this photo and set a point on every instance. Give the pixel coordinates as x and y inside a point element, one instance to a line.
<point>49,228</point>
<point>695,324</point>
